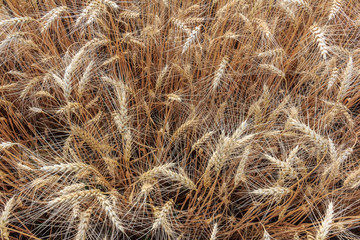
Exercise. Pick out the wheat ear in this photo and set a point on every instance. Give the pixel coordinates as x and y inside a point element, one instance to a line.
<point>214,232</point>
<point>273,69</point>
<point>220,72</point>
<point>4,217</point>
<point>202,140</point>
<point>51,16</point>
<point>84,224</point>
<point>224,149</point>
<point>190,39</point>
<point>65,167</point>
<point>182,178</point>
<point>335,8</point>
<point>317,138</point>
<point>160,78</point>
<point>345,83</point>
<point>333,77</point>
<point>240,172</point>
<point>15,21</point>
<point>78,58</point>
<point>155,171</point>
<point>110,212</point>
<point>74,197</point>
<point>277,191</point>
<point>326,223</point>
<point>161,218</point>
<point>320,39</point>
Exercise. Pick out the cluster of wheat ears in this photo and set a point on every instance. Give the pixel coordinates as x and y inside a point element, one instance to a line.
<point>179,119</point>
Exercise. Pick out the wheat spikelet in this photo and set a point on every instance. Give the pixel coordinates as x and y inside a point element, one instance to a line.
<point>69,107</point>
<point>111,165</point>
<point>24,167</point>
<point>320,39</point>
<point>173,97</point>
<point>6,145</point>
<point>194,20</point>
<point>288,11</point>
<point>345,154</point>
<point>76,60</point>
<point>275,113</point>
<point>44,94</point>
<point>87,11</point>
<point>326,223</point>
<point>224,149</point>
<point>292,155</point>
<point>111,4</point>
<point>110,60</point>
<point>8,86</point>
<point>36,110</point>
<point>266,235</point>
<point>29,85</point>
<point>128,14</point>
<point>353,179</point>
<point>263,27</point>
<point>51,16</point>
<point>341,108</point>
<point>127,145</point>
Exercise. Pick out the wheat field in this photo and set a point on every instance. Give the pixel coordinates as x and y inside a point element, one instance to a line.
<point>180,119</point>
